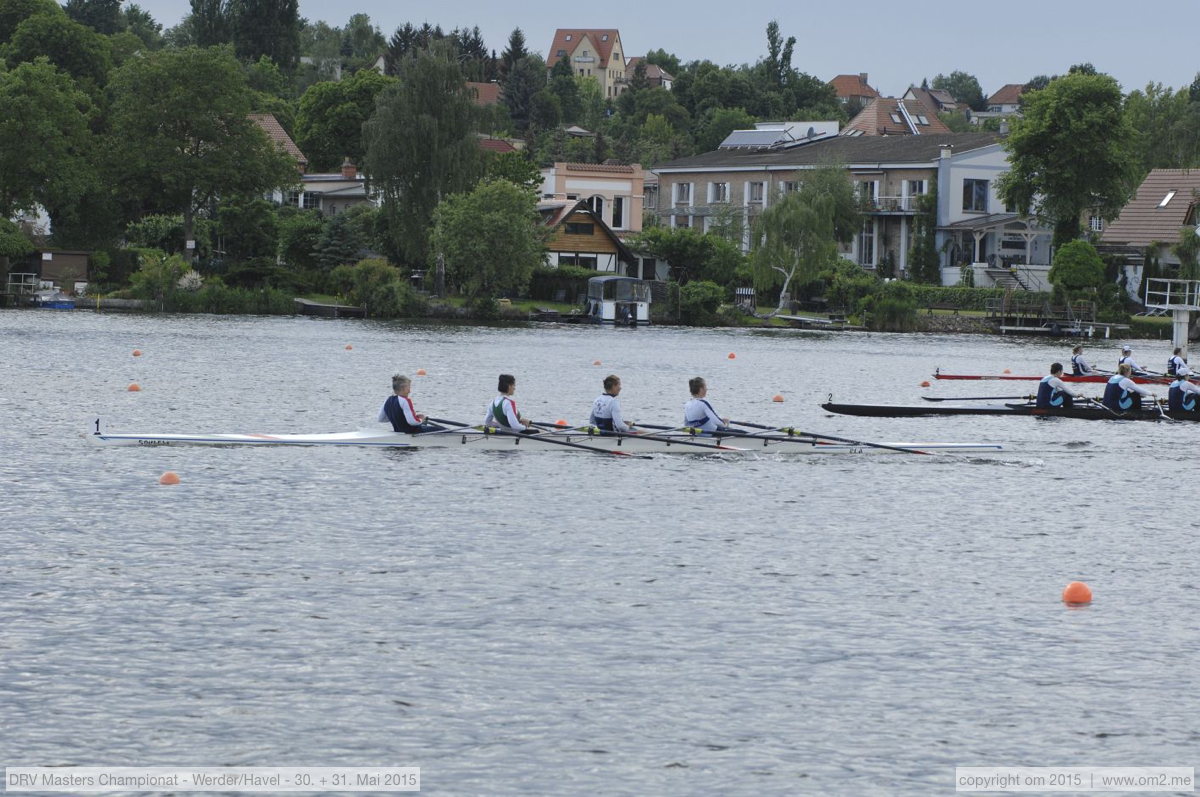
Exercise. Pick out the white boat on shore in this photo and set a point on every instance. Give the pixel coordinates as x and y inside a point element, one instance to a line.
<point>570,440</point>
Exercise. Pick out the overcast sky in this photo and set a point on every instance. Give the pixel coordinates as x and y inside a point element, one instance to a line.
<point>896,43</point>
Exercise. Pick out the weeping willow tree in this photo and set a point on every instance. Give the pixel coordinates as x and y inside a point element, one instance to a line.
<point>421,146</point>
<point>799,233</point>
<point>1187,250</point>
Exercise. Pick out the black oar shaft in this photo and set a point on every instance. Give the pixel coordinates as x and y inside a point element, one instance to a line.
<point>548,439</point>
<point>835,439</point>
<point>974,398</point>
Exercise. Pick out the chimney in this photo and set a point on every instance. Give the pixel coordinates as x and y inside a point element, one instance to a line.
<point>349,170</point>
<point>862,76</point>
<point>946,151</point>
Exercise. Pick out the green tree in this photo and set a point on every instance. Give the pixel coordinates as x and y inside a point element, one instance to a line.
<point>687,251</point>
<point>718,123</point>
<point>515,167</point>
<point>211,23</point>
<point>266,27</point>
<point>1166,128</point>
<point>182,133</point>
<point>964,88</point>
<point>492,238</point>
<point>664,60</point>
<point>1071,152</point>
<point>923,257</point>
<point>13,242</point>
<point>136,20</point>
<point>76,49</point>
<point>1187,249</point>
<point>299,237</point>
<point>523,81</point>
<point>362,42</point>
<point>14,12</point>
<point>340,243</point>
<point>1077,266</point>
<point>564,87</point>
<point>513,53</point>
<point>331,115</point>
<point>102,16</point>
<point>248,228</point>
<point>45,158</point>
<point>438,154</point>
<point>798,235</point>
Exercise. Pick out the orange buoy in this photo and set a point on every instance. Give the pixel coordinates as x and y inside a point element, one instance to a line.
<point>348,347</point>
<point>925,383</point>
<point>778,397</point>
<point>134,387</point>
<point>1077,592</point>
<point>420,372</point>
<point>561,422</point>
<point>137,352</point>
<point>732,356</point>
<point>169,477</point>
<point>595,362</point>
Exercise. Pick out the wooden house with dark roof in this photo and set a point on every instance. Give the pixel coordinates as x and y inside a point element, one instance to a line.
<point>592,52</point>
<point>579,237</point>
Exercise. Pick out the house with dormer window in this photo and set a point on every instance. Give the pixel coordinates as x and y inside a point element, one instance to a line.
<point>592,53</point>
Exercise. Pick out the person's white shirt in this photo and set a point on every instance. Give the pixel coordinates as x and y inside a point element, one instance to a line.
<point>605,407</point>
<point>406,407</point>
<point>508,408</point>
<point>697,412</point>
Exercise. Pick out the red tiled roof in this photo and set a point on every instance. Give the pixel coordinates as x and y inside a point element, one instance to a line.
<point>599,167</point>
<point>484,93</point>
<point>876,119</point>
<point>846,86</point>
<point>496,145</point>
<point>1142,222</point>
<point>1008,95</point>
<point>602,38</point>
<point>276,133</point>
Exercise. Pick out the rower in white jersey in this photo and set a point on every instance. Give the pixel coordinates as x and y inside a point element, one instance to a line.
<point>502,412</point>
<point>699,413</point>
<point>606,409</point>
<point>1079,366</point>
<point>1127,359</point>
<point>1177,362</point>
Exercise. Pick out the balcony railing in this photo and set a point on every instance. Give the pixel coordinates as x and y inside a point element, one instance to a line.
<point>892,204</point>
<point>585,59</point>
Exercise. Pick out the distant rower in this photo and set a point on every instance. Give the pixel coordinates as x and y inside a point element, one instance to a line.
<point>1122,393</point>
<point>1127,359</point>
<point>1053,392</point>
<point>1176,362</point>
<point>1079,366</point>
<point>698,413</point>
<point>1181,396</point>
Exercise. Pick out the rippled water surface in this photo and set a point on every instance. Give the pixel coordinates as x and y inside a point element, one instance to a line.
<point>562,623</point>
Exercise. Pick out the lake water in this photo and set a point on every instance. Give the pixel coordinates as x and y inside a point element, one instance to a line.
<point>562,623</point>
